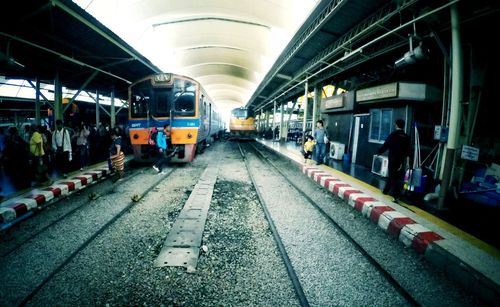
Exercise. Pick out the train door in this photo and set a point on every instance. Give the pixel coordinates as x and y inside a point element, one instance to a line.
<point>360,137</point>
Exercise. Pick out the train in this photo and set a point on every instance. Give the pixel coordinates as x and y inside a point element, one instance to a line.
<point>176,100</point>
<point>242,123</point>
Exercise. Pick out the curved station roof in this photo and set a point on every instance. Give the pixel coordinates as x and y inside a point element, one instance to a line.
<point>226,45</point>
<point>243,52</point>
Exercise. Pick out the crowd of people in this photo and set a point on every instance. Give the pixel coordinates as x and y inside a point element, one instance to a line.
<point>37,155</point>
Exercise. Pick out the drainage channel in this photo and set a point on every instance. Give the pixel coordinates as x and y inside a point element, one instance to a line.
<point>182,245</point>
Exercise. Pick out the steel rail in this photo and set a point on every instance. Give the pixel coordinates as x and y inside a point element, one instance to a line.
<point>299,291</point>
<point>399,288</point>
<point>67,214</point>
<point>99,231</point>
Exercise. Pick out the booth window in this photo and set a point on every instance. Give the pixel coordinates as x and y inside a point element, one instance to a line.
<point>380,124</point>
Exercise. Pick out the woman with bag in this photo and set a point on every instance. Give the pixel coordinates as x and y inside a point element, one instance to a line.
<point>116,155</point>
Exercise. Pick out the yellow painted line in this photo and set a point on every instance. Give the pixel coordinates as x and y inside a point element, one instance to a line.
<point>424,214</point>
<point>454,230</point>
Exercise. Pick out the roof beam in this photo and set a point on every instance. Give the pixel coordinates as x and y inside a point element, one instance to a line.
<point>96,29</point>
<point>211,18</point>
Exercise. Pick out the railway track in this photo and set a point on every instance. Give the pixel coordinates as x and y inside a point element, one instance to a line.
<point>92,196</point>
<point>296,281</point>
<point>92,230</point>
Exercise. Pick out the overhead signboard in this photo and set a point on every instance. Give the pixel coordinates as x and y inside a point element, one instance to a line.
<point>334,102</point>
<point>338,103</point>
<point>377,92</point>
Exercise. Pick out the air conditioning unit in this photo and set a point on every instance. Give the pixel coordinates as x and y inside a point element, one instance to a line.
<point>337,150</point>
<point>380,165</point>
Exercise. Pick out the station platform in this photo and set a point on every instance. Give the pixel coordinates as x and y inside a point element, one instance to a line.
<point>18,205</point>
<point>464,257</point>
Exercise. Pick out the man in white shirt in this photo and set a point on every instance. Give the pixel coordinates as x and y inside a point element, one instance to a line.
<point>61,145</point>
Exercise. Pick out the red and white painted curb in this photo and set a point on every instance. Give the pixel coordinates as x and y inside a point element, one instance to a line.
<point>408,231</point>
<point>16,208</point>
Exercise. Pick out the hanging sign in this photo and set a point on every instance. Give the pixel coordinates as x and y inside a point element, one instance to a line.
<point>470,153</point>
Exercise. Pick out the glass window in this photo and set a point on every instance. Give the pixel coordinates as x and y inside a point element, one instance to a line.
<point>139,99</point>
<point>386,124</point>
<point>374,125</point>
<point>242,113</point>
<point>380,124</point>
<point>163,98</point>
<point>184,97</point>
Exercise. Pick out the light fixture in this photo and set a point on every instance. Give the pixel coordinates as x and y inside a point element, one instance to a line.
<point>411,57</point>
<point>10,60</point>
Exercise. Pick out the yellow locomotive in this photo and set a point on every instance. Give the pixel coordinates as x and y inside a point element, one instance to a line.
<point>242,124</point>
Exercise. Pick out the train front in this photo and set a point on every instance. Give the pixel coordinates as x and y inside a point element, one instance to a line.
<point>163,99</point>
<point>242,124</point>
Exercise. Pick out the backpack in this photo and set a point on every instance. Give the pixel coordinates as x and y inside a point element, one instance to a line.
<point>152,137</point>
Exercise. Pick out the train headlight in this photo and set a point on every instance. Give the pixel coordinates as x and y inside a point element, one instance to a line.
<point>135,136</point>
<point>189,135</point>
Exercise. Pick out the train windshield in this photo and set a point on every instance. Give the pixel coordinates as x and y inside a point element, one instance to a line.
<point>242,113</point>
<point>147,100</point>
<point>184,97</point>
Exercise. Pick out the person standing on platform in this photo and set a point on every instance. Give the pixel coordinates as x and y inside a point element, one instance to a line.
<point>16,159</point>
<point>321,139</point>
<point>61,146</point>
<point>277,132</point>
<point>82,143</point>
<point>398,144</point>
<point>308,148</point>
<point>27,133</point>
<point>116,154</point>
<point>161,144</point>
<point>47,145</point>
<point>37,151</point>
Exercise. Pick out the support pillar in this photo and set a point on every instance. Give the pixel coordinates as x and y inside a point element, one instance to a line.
<point>113,115</point>
<point>58,110</point>
<point>38,117</point>
<point>274,119</point>
<point>267,120</point>
<point>316,106</point>
<point>97,109</point>
<point>282,139</point>
<point>305,106</point>
<point>456,108</point>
